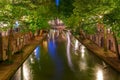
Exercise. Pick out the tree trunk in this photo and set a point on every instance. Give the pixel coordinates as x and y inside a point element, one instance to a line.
<point>41,31</point>
<point>9,53</point>
<point>116,45</point>
<point>105,40</point>
<point>9,50</point>
<point>38,32</point>
<point>1,47</point>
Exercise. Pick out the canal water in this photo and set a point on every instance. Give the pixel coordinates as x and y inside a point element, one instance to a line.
<point>61,57</point>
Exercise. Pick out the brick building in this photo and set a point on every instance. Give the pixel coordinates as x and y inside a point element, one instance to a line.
<point>19,40</point>
<point>98,38</point>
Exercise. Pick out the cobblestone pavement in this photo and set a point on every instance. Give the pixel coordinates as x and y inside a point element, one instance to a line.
<point>7,70</point>
<point>109,57</point>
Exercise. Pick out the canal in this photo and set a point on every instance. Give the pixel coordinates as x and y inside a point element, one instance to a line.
<point>61,57</point>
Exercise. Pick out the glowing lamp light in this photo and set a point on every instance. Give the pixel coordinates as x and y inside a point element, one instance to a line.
<point>57,2</point>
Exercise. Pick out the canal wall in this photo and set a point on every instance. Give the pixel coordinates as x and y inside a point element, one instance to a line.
<point>17,42</point>
<point>7,70</point>
<point>109,57</point>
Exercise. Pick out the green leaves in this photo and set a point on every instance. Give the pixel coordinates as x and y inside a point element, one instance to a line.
<point>32,16</point>
<point>91,10</point>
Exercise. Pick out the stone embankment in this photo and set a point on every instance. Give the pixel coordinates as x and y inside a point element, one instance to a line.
<point>109,57</point>
<point>7,70</point>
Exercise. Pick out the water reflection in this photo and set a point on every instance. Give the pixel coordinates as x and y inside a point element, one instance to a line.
<point>37,52</point>
<point>76,44</point>
<point>64,60</point>
<point>24,72</point>
<point>27,71</point>
<point>18,75</point>
<point>56,59</point>
<point>82,63</point>
<point>99,75</point>
<point>68,52</point>
<point>82,51</point>
<point>45,45</point>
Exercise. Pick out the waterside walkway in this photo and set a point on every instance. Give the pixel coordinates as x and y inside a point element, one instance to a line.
<point>109,57</point>
<point>7,70</point>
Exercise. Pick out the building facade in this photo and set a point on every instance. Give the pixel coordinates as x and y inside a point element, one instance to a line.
<point>98,38</point>
<point>19,40</point>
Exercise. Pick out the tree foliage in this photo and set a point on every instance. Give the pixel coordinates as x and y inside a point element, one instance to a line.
<point>92,10</point>
<point>32,15</point>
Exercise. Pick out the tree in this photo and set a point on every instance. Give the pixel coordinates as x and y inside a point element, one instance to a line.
<point>10,12</point>
<point>90,11</point>
<point>113,19</point>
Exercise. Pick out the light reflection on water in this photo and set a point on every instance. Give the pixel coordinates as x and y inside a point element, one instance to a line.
<point>82,51</point>
<point>76,44</point>
<point>68,52</point>
<point>27,71</point>
<point>18,75</point>
<point>24,72</point>
<point>99,75</point>
<point>82,63</point>
<point>58,61</point>
<point>37,52</point>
